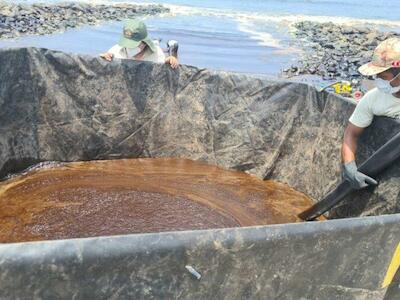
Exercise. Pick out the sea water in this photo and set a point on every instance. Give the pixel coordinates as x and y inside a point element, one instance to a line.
<point>242,36</point>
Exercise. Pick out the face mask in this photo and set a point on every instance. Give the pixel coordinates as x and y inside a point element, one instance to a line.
<point>133,51</point>
<point>385,86</point>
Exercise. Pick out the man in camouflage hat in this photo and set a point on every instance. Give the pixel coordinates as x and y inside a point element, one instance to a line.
<point>135,43</point>
<point>384,100</point>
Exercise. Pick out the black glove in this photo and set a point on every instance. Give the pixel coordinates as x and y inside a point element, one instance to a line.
<point>357,179</point>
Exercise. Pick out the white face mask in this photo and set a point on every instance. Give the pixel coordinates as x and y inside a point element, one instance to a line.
<point>385,86</point>
<point>133,51</point>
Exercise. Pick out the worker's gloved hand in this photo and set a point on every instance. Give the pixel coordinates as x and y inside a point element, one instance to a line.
<point>357,179</point>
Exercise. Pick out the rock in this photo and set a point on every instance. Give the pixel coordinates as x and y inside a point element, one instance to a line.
<point>358,41</point>
<point>312,70</point>
<point>340,49</point>
<point>347,30</point>
<point>331,70</point>
<point>361,29</point>
<point>28,18</point>
<point>354,73</point>
<point>329,46</point>
<point>373,35</point>
<point>332,63</point>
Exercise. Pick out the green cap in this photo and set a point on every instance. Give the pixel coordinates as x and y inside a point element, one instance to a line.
<point>135,31</point>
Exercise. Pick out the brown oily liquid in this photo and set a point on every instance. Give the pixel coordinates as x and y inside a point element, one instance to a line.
<point>98,198</point>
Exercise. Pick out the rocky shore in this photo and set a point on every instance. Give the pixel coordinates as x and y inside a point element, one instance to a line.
<point>21,19</point>
<point>333,51</point>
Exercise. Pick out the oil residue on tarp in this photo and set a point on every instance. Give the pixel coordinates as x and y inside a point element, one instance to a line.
<point>96,198</point>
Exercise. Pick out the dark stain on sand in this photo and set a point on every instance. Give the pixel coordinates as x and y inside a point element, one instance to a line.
<point>97,198</point>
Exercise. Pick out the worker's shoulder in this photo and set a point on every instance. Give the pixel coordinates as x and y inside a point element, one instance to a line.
<point>368,99</point>
<point>376,98</point>
<point>372,94</point>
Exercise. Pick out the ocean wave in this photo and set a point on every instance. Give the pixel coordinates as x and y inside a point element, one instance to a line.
<point>288,19</point>
<point>263,38</point>
<point>255,16</point>
<point>252,23</point>
<point>248,22</point>
<point>283,18</point>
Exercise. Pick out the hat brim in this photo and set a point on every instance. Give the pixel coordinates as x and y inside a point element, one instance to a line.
<point>128,43</point>
<point>369,69</point>
<point>149,42</point>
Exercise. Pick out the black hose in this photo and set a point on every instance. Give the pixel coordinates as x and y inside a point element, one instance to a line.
<point>381,159</point>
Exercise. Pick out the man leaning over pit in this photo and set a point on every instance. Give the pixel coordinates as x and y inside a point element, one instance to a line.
<point>384,100</point>
<point>136,44</point>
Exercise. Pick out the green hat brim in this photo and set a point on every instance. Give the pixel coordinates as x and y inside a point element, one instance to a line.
<point>150,43</point>
<point>128,43</point>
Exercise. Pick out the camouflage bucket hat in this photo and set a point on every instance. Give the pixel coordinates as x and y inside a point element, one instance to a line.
<point>135,31</point>
<point>386,56</point>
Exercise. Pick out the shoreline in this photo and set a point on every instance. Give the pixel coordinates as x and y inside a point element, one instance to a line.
<point>328,51</point>
<point>18,20</point>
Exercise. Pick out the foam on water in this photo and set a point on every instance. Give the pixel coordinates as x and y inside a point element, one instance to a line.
<point>248,21</point>
<point>284,18</point>
<point>264,38</point>
<point>252,22</point>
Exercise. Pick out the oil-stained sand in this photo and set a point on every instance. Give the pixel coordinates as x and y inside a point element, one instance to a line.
<point>84,199</point>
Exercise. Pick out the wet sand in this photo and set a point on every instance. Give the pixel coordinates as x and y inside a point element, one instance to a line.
<point>97,198</point>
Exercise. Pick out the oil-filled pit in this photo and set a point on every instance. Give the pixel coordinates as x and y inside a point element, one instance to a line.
<point>66,108</point>
<point>125,196</point>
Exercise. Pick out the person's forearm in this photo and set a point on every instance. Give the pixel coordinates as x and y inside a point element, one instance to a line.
<point>357,179</point>
<point>349,147</point>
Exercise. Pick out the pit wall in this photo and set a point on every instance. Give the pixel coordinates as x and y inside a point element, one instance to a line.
<point>56,106</point>
<point>337,259</point>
